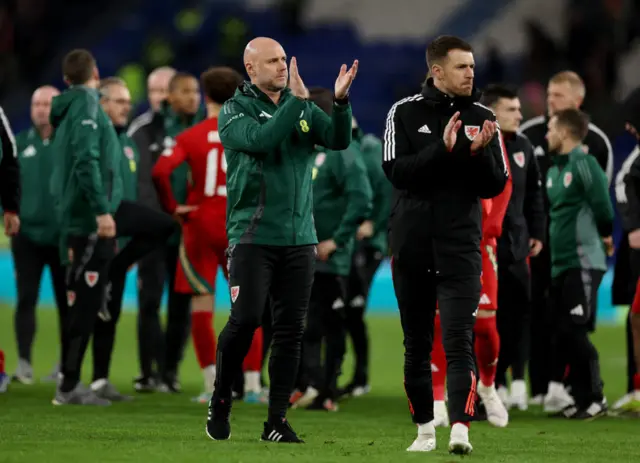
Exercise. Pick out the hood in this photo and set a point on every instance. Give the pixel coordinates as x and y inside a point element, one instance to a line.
<point>61,103</point>
<point>435,97</point>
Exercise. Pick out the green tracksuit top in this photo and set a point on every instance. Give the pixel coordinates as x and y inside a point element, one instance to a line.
<point>341,202</point>
<point>371,148</point>
<point>269,150</point>
<point>580,213</point>
<point>37,214</point>
<point>86,180</point>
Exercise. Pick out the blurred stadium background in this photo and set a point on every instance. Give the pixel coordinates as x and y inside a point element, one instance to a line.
<point>517,41</point>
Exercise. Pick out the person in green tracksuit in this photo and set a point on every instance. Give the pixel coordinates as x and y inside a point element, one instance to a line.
<point>341,202</point>
<point>36,245</point>
<point>160,355</point>
<point>86,185</point>
<point>580,228</point>
<point>269,130</point>
<point>370,250</point>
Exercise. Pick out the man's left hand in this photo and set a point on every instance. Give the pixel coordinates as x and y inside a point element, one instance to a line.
<point>344,80</point>
<point>535,246</point>
<point>365,230</point>
<point>325,249</point>
<point>11,224</point>
<point>608,245</point>
<point>484,137</point>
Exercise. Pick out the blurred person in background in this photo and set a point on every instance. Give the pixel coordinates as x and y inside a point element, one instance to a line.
<point>580,228</point>
<point>154,136</point>
<point>370,249</point>
<point>9,199</point>
<point>36,246</point>
<point>565,90</point>
<point>523,234</point>
<point>157,91</point>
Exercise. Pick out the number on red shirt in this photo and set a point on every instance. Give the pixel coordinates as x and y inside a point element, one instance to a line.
<point>211,187</point>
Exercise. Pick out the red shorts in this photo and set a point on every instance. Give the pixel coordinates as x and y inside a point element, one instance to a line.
<point>635,305</point>
<point>489,279</point>
<point>202,250</point>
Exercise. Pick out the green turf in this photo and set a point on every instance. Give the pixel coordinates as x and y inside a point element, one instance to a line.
<point>374,428</point>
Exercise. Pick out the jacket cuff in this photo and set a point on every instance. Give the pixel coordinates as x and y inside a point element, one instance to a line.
<point>341,102</point>
<point>605,229</point>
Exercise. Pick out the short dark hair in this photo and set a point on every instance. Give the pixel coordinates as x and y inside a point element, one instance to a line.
<point>494,92</point>
<point>440,47</point>
<point>78,66</point>
<point>575,121</point>
<point>175,80</point>
<point>220,83</point>
<point>323,97</point>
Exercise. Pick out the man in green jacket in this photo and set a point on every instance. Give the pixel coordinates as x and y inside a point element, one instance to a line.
<point>580,227</point>
<point>341,202</point>
<point>86,184</point>
<point>36,246</point>
<point>269,131</point>
<point>370,250</point>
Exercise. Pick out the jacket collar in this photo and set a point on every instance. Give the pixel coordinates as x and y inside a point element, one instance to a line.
<point>435,97</point>
<point>252,91</point>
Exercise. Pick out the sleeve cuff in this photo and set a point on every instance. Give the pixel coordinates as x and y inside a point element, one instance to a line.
<point>341,102</point>
<point>605,229</point>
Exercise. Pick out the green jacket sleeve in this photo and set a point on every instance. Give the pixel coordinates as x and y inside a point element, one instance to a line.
<point>85,150</point>
<point>357,190</point>
<point>596,189</point>
<point>382,189</point>
<point>241,132</point>
<point>334,132</point>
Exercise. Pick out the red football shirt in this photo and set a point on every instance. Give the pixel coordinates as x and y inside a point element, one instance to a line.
<point>200,147</point>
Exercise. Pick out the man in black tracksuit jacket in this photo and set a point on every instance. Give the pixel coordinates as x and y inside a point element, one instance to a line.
<point>439,175</point>
<point>9,177</point>
<point>523,233</point>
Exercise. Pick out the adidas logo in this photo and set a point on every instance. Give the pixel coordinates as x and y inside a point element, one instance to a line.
<point>578,311</point>
<point>338,304</point>
<point>485,300</point>
<point>539,151</point>
<point>424,129</point>
<point>274,436</point>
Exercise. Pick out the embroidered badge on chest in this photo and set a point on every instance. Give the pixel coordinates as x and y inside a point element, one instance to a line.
<point>566,181</point>
<point>518,158</point>
<point>471,131</point>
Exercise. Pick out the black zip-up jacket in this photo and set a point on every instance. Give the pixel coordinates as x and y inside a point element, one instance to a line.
<point>628,191</point>
<point>525,217</point>
<point>147,131</point>
<point>436,220</point>
<point>9,168</point>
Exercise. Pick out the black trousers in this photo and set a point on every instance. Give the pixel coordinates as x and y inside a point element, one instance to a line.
<point>325,322</point>
<point>514,319</point>
<point>365,263</point>
<point>154,346</point>
<point>255,272</point>
<point>94,266</point>
<point>574,296</point>
<point>457,296</point>
<point>634,263</point>
<point>29,260</point>
<point>541,328</point>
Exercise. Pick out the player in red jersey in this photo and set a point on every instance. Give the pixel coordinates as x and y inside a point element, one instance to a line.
<point>204,236</point>
<point>487,344</point>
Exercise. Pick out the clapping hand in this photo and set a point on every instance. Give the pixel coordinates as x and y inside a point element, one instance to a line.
<point>450,134</point>
<point>489,129</point>
<point>295,81</point>
<point>344,80</point>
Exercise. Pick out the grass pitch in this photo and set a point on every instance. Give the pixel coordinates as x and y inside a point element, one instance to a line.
<point>374,428</point>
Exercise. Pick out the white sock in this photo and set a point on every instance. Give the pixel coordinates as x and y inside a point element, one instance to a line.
<point>209,374</point>
<point>252,382</point>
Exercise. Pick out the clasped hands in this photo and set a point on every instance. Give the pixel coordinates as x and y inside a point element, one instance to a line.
<point>481,140</point>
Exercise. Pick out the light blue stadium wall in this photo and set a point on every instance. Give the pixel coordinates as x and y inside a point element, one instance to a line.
<point>382,299</point>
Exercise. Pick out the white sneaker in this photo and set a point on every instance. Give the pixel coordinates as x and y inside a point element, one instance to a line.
<point>537,400</point>
<point>503,393</point>
<point>459,441</point>
<point>557,398</point>
<point>497,414</point>
<point>426,440</point>
<point>440,414</point>
<point>624,400</point>
<point>307,398</point>
<point>518,397</point>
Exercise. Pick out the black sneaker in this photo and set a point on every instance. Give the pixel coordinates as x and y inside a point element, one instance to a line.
<point>218,426</point>
<point>280,432</point>
<point>593,411</point>
<point>570,412</point>
<point>144,384</point>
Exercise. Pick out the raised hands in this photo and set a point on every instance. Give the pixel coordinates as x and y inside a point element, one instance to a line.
<point>484,137</point>
<point>450,134</point>
<point>344,80</point>
<point>296,85</point>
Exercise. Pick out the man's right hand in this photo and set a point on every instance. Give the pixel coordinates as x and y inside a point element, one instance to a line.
<point>634,239</point>
<point>182,210</point>
<point>106,226</point>
<point>295,81</point>
<point>451,131</point>
<point>608,245</point>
